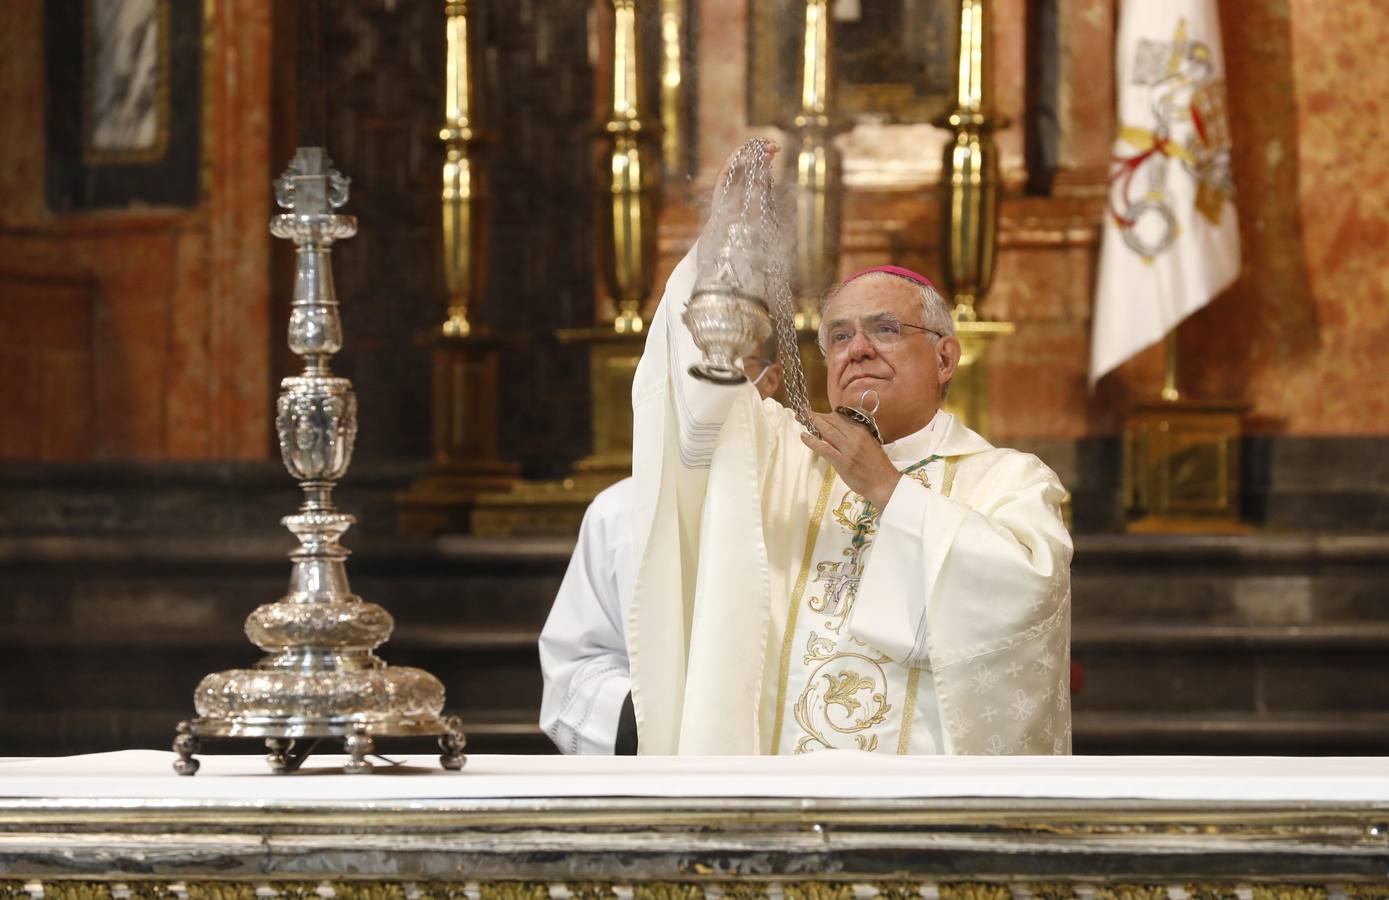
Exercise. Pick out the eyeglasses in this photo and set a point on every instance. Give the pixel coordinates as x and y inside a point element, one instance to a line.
<point>880,331</point>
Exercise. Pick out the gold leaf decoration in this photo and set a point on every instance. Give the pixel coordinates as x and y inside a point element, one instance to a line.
<point>1209,891</point>
<point>667,890</point>
<point>975,890</point>
<point>76,890</point>
<point>514,890</point>
<point>13,890</point>
<point>591,890</point>
<point>1376,890</point>
<point>150,890</point>
<point>898,890</point>
<point>841,689</point>
<point>1289,892</point>
<point>443,890</point>
<point>1131,892</point>
<point>296,890</point>
<point>1052,891</point>
<point>818,890</point>
<point>221,890</point>
<point>743,890</point>
<point>368,890</point>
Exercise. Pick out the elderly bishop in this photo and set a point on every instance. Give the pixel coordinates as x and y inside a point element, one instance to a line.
<point>797,593</point>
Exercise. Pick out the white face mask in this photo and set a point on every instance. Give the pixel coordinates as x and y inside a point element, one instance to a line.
<point>766,366</point>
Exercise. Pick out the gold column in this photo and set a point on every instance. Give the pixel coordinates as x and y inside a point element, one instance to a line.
<point>628,179</point>
<point>672,85</point>
<point>629,186</point>
<point>819,189</point>
<point>465,378</point>
<point>462,196</point>
<point>969,212</point>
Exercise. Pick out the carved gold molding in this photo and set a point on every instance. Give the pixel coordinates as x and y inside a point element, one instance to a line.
<point>63,889</point>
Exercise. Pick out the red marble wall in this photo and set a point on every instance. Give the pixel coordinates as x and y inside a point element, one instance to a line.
<point>166,348</point>
<point>1299,337</point>
<point>1304,334</point>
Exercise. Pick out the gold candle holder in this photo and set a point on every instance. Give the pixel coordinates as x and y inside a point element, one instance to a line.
<point>818,176</point>
<point>818,167</point>
<point>969,212</point>
<point>628,179</point>
<point>465,356</point>
<point>629,186</point>
<point>672,85</point>
<point>969,182</point>
<point>463,193</point>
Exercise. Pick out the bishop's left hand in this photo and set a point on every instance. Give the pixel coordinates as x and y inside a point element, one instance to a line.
<point>856,456</point>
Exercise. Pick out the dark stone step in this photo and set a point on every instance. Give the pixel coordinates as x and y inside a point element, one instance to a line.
<point>1242,734</point>
<point>1169,630</point>
<point>124,678</point>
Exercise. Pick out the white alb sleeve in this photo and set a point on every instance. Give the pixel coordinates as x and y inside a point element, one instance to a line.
<point>583,647</point>
<point>700,406</point>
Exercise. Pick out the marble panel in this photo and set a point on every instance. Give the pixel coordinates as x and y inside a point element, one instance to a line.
<point>1087,87</point>
<point>1035,391</point>
<point>171,379</point>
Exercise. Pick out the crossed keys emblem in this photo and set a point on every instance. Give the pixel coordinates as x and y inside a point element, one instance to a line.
<point>841,583</point>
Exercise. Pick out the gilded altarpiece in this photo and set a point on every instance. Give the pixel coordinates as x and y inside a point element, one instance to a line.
<point>386,85</point>
<point>895,59</point>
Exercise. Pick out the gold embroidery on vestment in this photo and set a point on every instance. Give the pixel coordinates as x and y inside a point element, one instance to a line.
<point>843,688</point>
<point>904,737</point>
<point>812,532</point>
<point>951,464</point>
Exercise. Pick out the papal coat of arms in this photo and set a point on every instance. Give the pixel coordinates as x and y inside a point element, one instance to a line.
<point>1189,128</point>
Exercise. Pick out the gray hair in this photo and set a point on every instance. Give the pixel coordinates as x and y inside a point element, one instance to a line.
<point>935,312</point>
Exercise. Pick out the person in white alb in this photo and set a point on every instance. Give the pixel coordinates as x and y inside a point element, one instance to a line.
<point>797,594</point>
<point>586,706</point>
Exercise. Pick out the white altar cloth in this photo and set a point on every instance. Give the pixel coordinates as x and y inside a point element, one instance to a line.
<point>147,775</point>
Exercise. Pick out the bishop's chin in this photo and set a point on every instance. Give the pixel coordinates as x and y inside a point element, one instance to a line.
<point>863,383</point>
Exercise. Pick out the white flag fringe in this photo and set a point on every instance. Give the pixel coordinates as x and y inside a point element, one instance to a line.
<point>1171,238</point>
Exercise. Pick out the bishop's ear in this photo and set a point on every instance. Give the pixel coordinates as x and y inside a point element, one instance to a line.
<point>949,350</point>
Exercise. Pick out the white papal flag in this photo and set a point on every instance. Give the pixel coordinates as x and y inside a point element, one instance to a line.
<point>1171,239</point>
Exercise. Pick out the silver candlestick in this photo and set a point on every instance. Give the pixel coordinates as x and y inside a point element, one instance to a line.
<point>320,678</point>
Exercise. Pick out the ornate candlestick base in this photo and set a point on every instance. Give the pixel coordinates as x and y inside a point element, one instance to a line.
<point>286,754</point>
<point>320,678</point>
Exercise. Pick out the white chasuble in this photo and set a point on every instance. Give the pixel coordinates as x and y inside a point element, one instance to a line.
<point>776,612</point>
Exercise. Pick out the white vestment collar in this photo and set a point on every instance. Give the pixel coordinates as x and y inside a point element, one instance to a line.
<point>942,436</point>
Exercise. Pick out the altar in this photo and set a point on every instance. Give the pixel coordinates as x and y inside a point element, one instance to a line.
<point>828,826</point>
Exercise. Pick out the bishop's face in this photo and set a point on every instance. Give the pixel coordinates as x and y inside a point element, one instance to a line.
<point>908,373</point>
